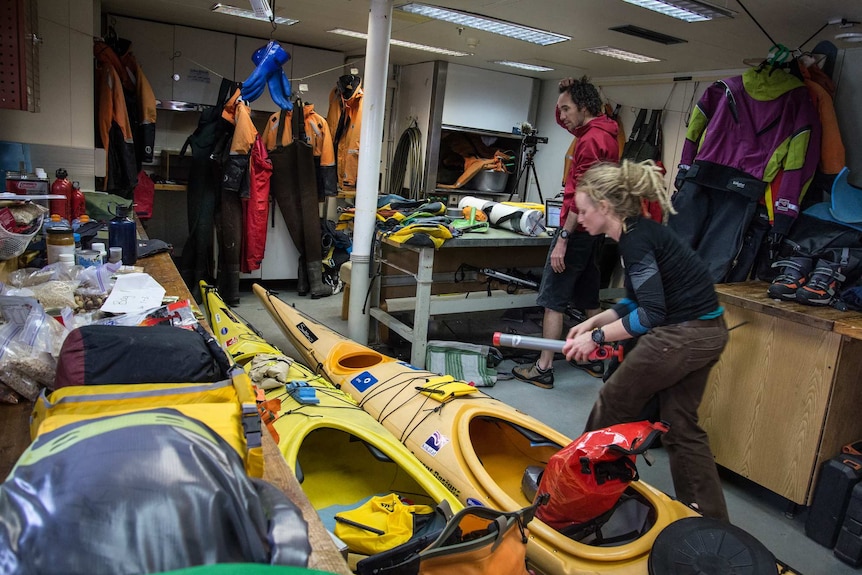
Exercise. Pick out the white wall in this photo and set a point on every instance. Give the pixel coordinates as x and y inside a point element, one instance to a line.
<point>415,86</point>
<point>65,119</point>
<point>66,77</point>
<point>488,100</point>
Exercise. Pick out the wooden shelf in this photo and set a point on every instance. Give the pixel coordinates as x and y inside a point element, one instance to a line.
<point>171,188</point>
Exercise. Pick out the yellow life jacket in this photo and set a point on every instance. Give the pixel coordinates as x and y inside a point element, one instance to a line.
<point>421,235</point>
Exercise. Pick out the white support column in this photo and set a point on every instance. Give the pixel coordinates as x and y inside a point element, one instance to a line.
<point>370,145</point>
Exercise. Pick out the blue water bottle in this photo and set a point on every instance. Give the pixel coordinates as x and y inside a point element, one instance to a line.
<point>122,234</point>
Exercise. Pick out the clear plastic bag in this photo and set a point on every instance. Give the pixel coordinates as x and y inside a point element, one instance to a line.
<point>27,277</point>
<point>96,283</point>
<point>56,294</point>
<point>30,342</point>
<point>26,370</point>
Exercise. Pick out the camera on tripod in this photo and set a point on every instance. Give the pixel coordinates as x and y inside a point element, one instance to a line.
<point>532,140</point>
<point>531,136</point>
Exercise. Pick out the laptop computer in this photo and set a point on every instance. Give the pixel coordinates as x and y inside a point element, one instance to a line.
<point>553,209</point>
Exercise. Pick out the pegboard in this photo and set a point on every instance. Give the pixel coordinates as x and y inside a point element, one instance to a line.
<point>12,77</point>
<point>19,60</point>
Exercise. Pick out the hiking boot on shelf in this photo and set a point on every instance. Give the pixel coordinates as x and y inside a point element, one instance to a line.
<point>792,275</point>
<point>593,368</point>
<point>531,373</point>
<point>823,284</point>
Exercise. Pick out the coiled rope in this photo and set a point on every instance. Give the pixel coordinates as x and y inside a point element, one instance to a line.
<point>408,153</point>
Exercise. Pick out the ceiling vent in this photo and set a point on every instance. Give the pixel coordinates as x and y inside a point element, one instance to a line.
<point>650,35</point>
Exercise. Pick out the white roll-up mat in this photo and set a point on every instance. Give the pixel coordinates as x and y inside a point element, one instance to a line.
<point>525,221</point>
<point>521,220</point>
<point>478,203</point>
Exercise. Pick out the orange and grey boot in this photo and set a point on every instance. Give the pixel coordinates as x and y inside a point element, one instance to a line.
<point>823,284</point>
<point>792,276</point>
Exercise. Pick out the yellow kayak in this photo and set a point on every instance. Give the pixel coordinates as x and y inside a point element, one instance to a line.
<point>478,446</point>
<point>340,454</point>
<point>239,338</point>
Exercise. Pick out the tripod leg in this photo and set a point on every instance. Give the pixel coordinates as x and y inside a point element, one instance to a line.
<point>517,183</point>
<point>538,186</point>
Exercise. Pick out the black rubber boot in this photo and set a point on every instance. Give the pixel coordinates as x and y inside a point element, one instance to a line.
<point>302,278</point>
<point>229,285</point>
<point>315,279</point>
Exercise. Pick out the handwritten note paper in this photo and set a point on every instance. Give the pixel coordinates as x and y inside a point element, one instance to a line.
<point>134,293</point>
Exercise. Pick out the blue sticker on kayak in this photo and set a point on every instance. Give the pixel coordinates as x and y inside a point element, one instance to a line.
<point>405,364</point>
<point>363,381</point>
<point>435,443</point>
<point>474,502</point>
<point>223,331</point>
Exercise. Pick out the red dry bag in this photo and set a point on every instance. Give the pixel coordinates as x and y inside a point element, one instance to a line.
<point>587,477</point>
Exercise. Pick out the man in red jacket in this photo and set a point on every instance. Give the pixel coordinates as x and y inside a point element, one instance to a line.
<point>571,274</point>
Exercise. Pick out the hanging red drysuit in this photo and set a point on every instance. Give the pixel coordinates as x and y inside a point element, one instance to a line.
<point>255,208</point>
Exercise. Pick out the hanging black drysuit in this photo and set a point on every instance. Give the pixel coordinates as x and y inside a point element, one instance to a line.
<point>208,143</point>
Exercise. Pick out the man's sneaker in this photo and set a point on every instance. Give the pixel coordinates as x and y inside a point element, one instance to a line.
<point>792,275</point>
<point>594,368</point>
<point>823,284</point>
<point>531,373</point>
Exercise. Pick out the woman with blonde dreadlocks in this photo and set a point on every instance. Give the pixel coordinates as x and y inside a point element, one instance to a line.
<point>672,309</point>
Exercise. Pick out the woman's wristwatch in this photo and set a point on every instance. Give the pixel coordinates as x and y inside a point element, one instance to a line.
<point>598,336</point>
<point>564,233</point>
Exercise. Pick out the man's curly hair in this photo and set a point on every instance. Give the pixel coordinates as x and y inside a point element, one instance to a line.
<point>584,95</point>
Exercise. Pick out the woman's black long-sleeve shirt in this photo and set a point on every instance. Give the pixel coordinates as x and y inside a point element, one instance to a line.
<point>666,282</point>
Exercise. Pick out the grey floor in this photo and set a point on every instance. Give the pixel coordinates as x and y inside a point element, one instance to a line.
<point>565,408</point>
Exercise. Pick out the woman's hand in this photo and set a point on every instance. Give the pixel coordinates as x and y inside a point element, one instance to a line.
<point>587,325</point>
<point>580,347</point>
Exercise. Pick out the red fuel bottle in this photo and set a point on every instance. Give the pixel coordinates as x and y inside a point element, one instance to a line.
<point>62,187</point>
<point>78,206</point>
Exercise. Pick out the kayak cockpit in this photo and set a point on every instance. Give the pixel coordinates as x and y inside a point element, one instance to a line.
<point>514,456</point>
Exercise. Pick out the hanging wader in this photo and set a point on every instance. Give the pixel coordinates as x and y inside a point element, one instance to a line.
<point>294,188</point>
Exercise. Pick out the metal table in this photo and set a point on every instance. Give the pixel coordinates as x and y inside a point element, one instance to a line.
<point>425,305</point>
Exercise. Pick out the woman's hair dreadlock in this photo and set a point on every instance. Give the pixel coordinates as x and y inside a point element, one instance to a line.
<point>627,187</point>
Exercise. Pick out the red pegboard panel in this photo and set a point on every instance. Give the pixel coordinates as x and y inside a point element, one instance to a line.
<point>13,84</point>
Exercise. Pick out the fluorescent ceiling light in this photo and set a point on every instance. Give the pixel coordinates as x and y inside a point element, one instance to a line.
<point>402,43</point>
<point>849,37</point>
<point>523,66</point>
<point>243,13</point>
<point>621,54</point>
<point>688,10</point>
<point>470,20</point>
